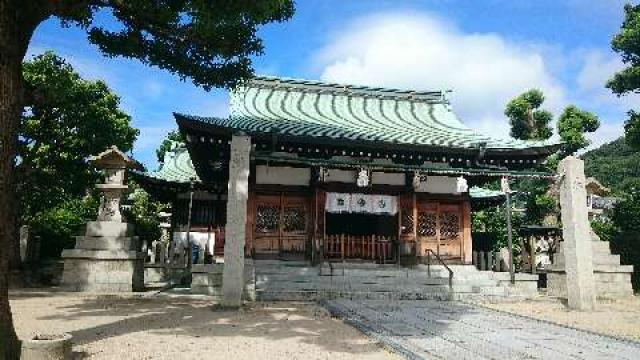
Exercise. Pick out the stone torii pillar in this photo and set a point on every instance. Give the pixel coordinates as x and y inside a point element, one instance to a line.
<point>233,278</point>
<point>577,236</point>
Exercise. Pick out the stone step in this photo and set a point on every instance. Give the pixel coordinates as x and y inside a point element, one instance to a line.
<point>394,272</point>
<point>605,259</point>
<point>441,293</point>
<point>273,278</point>
<point>613,268</point>
<point>323,295</point>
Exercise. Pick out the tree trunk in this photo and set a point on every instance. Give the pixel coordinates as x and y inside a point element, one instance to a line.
<point>17,23</point>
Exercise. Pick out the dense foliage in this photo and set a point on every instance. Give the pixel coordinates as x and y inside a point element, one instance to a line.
<point>57,226</point>
<point>616,165</point>
<point>143,212</point>
<point>528,121</point>
<point>493,222</point>
<point>623,232</point>
<point>572,125</point>
<point>627,44</point>
<point>66,119</point>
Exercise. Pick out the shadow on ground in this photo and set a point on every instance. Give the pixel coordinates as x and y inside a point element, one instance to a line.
<point>98,318</point>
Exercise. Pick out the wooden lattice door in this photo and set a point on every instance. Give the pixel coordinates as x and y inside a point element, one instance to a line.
<point>266,234</point>
<point>450,231</point>
<point>281,224</point>
<point>439,229</point>
<point>294,224</point>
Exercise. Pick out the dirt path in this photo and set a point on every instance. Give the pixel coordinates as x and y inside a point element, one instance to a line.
<point>620,318</point>
<point>106,327</point>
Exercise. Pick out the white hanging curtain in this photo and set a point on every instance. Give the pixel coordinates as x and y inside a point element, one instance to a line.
<point>361,204</point>
<point>384,204</point>
<point>338,202</point>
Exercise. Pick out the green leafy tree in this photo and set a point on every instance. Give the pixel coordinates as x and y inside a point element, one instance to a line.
<point>173,137</point>
<point>65,120</point>
<point>528,121</point>
<point>210,42</point>
<point>572,126</point>
<point>627,44</point>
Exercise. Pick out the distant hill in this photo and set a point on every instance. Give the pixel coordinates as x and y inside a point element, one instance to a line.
<point>615,165</point>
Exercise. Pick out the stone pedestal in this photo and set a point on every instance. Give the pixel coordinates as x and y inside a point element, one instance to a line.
<point>238,193</point>
<point>106,258</point>
<point>612,280</point>
<point>578,256</point>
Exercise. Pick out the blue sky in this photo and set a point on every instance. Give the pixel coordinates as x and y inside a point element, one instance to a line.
<point>486,51</point>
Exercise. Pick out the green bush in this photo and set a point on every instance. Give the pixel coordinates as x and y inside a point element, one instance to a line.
<point>604,228</point>
<point>627,244</point>
<point>493,223</point>
<point>625,239</point>
<point>57,226</point>
<point>143,213</point>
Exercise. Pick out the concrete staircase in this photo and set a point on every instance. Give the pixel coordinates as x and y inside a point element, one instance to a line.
<point>613,280</point>
<point>298,281</point>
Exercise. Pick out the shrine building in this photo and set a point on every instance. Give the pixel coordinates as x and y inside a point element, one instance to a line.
<point>320,171</point>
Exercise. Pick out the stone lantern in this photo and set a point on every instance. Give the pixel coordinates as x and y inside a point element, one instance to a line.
<point>106,258</point>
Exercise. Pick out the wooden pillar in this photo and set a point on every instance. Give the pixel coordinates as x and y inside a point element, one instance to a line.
<point>467,243</point>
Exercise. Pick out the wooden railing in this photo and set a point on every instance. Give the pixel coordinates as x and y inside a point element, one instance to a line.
<point>369,247</point>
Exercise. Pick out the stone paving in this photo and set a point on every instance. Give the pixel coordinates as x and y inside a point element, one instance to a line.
<point>451,330</point>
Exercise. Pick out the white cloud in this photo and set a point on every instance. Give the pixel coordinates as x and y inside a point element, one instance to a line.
<point>421,51</point>
<point>608,131</point>
<point>598,67</point>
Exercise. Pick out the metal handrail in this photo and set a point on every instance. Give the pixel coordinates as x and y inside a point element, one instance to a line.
<point>430,251</point>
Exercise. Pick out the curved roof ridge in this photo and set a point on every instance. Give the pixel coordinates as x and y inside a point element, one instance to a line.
<point>343,88</point>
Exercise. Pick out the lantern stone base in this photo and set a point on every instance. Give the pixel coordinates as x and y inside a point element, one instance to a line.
<point>104,260</point>
<point>612,280</point>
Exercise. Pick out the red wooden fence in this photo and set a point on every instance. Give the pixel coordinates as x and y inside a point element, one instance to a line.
<point>371,247</point>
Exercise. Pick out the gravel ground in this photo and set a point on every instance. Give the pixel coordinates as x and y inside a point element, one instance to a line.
<point>618,318</point>
<point>115,327</point>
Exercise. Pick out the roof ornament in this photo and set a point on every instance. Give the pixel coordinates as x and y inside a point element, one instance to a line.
<point>461,185</point>
<point>417,179</point>
<point>363,178</point>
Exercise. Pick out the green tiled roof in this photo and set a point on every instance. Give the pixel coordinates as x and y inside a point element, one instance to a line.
<point>485,194</point>
<point>315,109</point>
<point>177,168</point>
